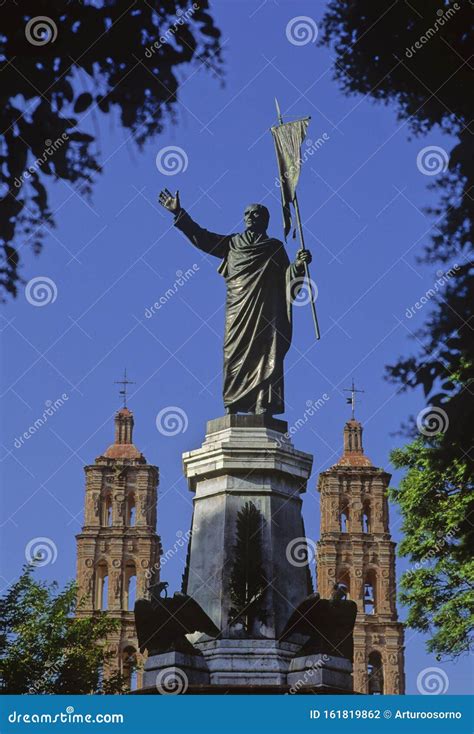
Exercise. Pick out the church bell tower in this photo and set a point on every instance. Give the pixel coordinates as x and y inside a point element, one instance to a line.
<point>118,550</point>
<point>355,548</point>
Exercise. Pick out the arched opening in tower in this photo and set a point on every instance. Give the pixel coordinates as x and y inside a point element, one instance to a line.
<point>102,587</point>
<point>366,518</point>
<point>375,673</point>
<point>369,593</point>
<point>344,577</point>
<point>131,517</point>
<point>130,586</point>
<point>344,517</point>
<point>107,517</point>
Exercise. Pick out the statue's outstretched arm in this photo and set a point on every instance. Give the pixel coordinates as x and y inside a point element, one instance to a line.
<point>210,242</point>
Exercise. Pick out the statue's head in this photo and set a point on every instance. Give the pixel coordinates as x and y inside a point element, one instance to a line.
<point>256,218</point>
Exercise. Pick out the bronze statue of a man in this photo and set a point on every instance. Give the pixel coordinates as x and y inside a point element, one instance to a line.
<point>261,283</point>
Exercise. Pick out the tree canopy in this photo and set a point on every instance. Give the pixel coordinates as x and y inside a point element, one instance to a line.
<point>416,56</point>
<point>44,648</point>
<point>62,63</point>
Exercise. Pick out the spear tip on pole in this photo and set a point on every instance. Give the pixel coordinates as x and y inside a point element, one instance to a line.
<point>280,118</point>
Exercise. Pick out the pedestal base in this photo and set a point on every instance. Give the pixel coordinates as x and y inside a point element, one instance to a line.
<point>247,662</point>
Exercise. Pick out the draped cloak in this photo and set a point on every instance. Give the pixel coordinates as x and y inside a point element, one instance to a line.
<point>258,323</point>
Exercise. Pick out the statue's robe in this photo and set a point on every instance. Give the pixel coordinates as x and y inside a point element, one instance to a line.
<point>258,324</point>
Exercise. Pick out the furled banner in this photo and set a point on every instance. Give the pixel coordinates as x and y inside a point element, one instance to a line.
<point>288,138</point>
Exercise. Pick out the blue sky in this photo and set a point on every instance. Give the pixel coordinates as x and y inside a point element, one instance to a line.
<point>362,198</point>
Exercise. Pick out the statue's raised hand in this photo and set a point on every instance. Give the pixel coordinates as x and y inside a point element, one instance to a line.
<point>170,202</point>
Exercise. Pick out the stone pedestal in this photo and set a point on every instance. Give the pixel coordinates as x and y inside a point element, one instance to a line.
<point>321,672</point>
<point>246,458</point>
<point>248,662</point>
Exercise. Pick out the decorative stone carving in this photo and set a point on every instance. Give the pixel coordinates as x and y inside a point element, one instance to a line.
<point>335,512</point>
<point>378,511</point>
<point>87,582</point>
<point>359,656</point>
<point>120,499</point>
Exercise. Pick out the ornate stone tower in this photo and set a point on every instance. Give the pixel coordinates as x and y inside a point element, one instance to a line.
<point>355,548</point>
<point>118,549</point>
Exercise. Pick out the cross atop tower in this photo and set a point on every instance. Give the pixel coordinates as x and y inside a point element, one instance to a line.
<point>351,401</point>
<point>125,382</point>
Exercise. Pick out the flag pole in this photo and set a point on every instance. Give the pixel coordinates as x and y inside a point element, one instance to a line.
<point>301,236</point>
